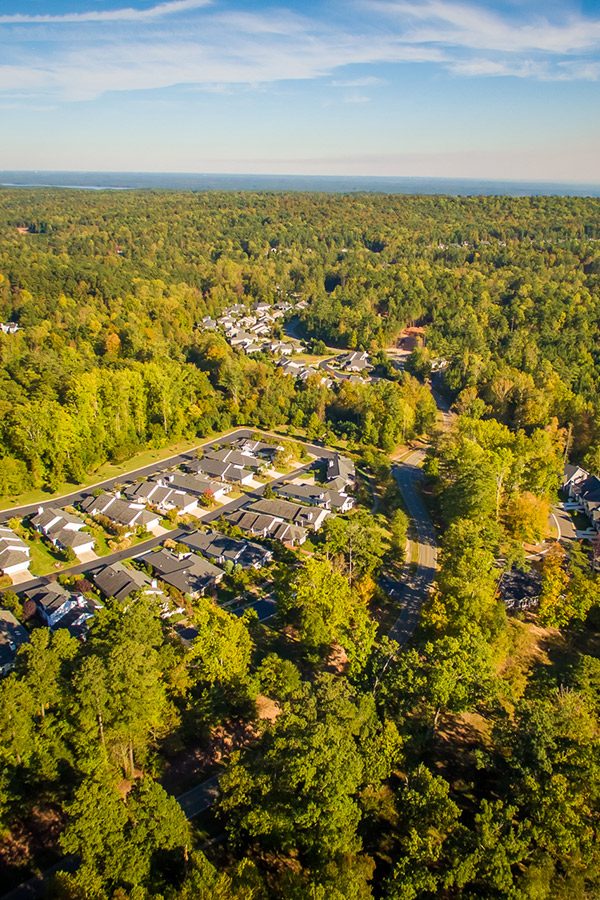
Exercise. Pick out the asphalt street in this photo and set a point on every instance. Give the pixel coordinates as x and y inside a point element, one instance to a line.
<point>154,468</point>
<point>174,535</point>
<point>417,587</point>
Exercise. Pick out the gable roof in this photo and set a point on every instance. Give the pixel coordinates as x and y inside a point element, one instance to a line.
<point>189,572</point>
<point>119,582</point>
<point>213,544</point>
<point>340,466</point>
<point>50,596</point>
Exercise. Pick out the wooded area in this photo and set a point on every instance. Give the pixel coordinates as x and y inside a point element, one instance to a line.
<point>464,765</point>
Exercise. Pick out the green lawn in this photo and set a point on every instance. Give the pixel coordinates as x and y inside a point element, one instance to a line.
<point>43,561</point>
<point>109,470</point>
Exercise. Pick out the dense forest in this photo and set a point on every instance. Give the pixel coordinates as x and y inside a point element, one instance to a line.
<point>462,766</point>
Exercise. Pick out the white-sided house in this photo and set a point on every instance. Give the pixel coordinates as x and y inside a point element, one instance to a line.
<point>163,496</point>
<point>573,476</point>
<point>14,553</point>
<point>53,601</point>
<point>63,529</point>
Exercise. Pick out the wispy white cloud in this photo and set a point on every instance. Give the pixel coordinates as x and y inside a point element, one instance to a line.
<point>474,27</point>
<point>369,81</point>
<point>356,98</point>
<point>129,14</point>
<point>204,44</point>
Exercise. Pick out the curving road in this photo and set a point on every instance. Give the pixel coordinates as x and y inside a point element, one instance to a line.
<point>159,466</point>
<point>174,535</point>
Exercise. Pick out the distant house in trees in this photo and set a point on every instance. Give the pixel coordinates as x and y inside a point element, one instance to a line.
<point>356,361</point>
<point>520,589</point>
<point>12,636</point>
<point>573,476</point>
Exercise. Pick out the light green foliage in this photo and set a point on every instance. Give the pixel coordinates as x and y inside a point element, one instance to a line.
<point>465,599</point>
<point>277,677</point>
<point>357,540</point>
<point>298,789</point>
<point>123,843</point>
<point>330,612</point>
<point>221,653</point>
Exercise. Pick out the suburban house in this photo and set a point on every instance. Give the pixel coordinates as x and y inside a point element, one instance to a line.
<point>573,476</point>
<point>77,620</point>
<point>520,589</point>
<point>316,495</point>
<point>357,361</point>
<point>304,516</point>
<point>12,636</point>
<point>219,547</point>
<point>163,497</point>
<point>221,471</point>
<point>189,573</point>
<point>9,327</point>
<point>123,513</point>
<point>268,526</point>
<point>340,473</point>
<point>120,582</point>
<point>259,449</point>
<point>63,529</point>
<point>54,602</point>
<point>236,458</point>
<point>14,553</point>
<point>196,484</point>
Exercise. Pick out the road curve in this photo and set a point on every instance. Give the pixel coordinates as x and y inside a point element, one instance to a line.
<point>158,466</point>
<point>174,535</point>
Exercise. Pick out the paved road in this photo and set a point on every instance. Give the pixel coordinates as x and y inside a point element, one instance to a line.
<point>415,590</point>
<point>174,535</point>
<point>418,586</point>
<point>199,798</point>
<point>155,467</point>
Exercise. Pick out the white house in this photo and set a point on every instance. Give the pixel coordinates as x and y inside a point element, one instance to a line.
<point>14,553</point>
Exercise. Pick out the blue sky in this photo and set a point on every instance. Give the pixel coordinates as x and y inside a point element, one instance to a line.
<point>442,88</point>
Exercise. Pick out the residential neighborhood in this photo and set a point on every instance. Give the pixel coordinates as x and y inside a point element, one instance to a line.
<point>186,559</point>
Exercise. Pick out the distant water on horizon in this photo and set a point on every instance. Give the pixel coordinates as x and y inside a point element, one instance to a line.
<point>338,184</point>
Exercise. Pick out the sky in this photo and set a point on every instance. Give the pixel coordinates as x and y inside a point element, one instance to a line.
<point>438,88</point>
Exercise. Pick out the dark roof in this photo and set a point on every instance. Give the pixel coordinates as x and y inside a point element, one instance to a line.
<point>50,596</point>
<point>12,635</point>
<point>213,544</point>
<point>340,466</point>
<point>119,582</point>
<point>520,587</point>
<point>189,573</point>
